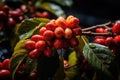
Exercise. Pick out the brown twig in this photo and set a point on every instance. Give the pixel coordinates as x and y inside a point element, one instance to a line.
<point>97,26</point>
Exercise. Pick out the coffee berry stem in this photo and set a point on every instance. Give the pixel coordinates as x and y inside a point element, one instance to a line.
<point>98,26</point>
<point>89,33</point>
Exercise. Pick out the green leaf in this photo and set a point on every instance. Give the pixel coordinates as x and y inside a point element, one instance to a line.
<point>64,2</point>
<point>72,71</point>
<point>28,34</point>
<point>29,24</point>
<point>99,56</point>
<point>53,8</point>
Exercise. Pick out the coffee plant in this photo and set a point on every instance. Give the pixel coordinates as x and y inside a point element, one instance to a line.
<point>60,49</point>
<point>34,46</point>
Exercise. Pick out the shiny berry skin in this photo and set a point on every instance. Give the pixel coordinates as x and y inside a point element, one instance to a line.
<point>117,40</point>
<point>34,54</point>
<point>6,9</point>
<point>42,30</point>
<point>45,14</point>
<point>40,45</point>
<point>116,28</point>
<point>4,73</point>
<point>77,31</point>
<point>109,41</point>
<point>29,45</point>
<point>72,21</point>
<point>61,22</point>
<point>68,33</point>
<point>14,13</point>
<point>74,42</point>
<point>58,44</point>
<point>37,37</point>
<point>0,65</point>
<point>65,63</point>
<point>100,41</point>
<point>101,30</point>
<point>48,52</point>
<point>33,75</point>
<point>48,35</point>
<point>6,64</point>
<point>11,22</point>
<point>51,25</point>
<point>59,32</point>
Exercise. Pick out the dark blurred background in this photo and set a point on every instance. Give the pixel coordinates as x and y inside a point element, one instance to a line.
<point>93,12</point>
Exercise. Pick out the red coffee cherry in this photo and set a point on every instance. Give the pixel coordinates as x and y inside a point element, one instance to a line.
<point>37,37</point>
<point>14,13</point>
<point>6,9</point>
<point>4,73</point>
<point>117,40</point>
<point>42,30</point>
<point>59,32</point>
<point>72,21</point>
<point>1,65</point>
<point>99,41</point>
<point>6,64</point>
<point>48,52</point>
<point>68,33</point>
<point>77,31</point>
<point>11,22</point>
<point>29,45</point>
<point>34,54</point>
<point>58,44</point>
<point>100,30</point>
<point>116,28</point>
<point>33,75</point>
<point>51,25</point>
<point>40,45</point>
<point>61,22</point>
<point>74,42</point>
<point>45,14</point>
<point>109,41</point>
<point>48,35</point>
<point>66,43</point>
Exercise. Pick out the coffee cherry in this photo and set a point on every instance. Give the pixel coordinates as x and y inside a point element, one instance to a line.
<point>33,75</point>
<point>68,33</point>
<point>48,35</point>
<point>40,45</point>
<point>42,30</point>
<point>48,52</point>
<point>11,22</point>
<point>1,65</point>
<point>109,41</point>
<point>65,63</point>
<point>37,38</point>
<point>51,25</point>
<point>101,30</point>
<point>58,44</point>
<point>61,22</point>
<point>4,73</point>
<point>66,43</point>
<point>116,28</point>
<point>6,64</point>
<point>29,45</point>
<point>14,13</point>
<point>45,14</point>
<point>74,42</point>
<point>117,40</point>
<point>77,31</point>
<point>59,32</point>
<point>72,21</point>
<point>34,54</point>
<point>6,9</point>
<point>100,41</point>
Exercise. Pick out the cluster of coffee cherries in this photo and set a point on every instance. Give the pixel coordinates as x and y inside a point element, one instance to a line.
<point>112,41</point>
<point>5,69</point>
<point>9,17</point>
<point>56,34</point>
